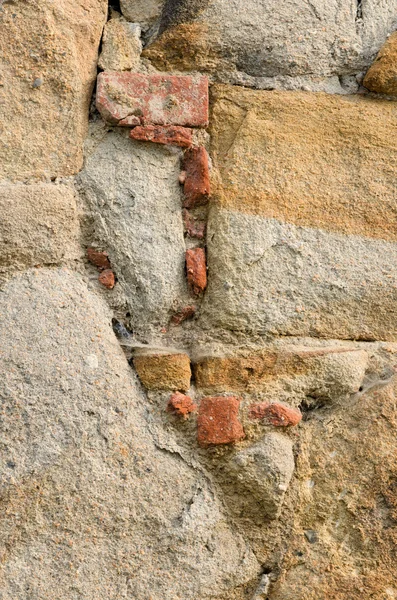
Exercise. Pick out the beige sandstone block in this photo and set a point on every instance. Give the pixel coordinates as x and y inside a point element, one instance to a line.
<point>309,159</point>
<point>48,54</point>
<point>38,225</point>
<point>121,45</point>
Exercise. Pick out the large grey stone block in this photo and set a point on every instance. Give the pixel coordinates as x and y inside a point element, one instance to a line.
<point>91,507</point>
<point>135,202</point>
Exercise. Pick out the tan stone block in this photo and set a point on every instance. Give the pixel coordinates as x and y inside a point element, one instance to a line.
<point>309,159</point>
<point>121,45</point>
<point>38,225</point>
<point>48,67</point>
<point>164,371</point>
<point>382,75</point>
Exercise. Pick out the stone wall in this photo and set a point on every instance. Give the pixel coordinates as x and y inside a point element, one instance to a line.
<point>198,323</point>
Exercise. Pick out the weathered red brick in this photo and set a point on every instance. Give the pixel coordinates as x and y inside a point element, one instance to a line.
<point>181,405</point>
<point>218,421</point>
<point>107,278</point>
<point>157,99</point>
<point>99,259</point>
<point>196,268</point>
<point>193,227</point>
<point>197,180</point>
<point>276,414</point>
<point>187,312</point>
<point>161,134</point>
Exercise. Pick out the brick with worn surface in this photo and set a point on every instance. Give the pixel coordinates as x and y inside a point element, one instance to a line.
<point>196,268</point>
<point>218,421</point>
<point>160,134</point>
<point>107,278</point>
<point>164,371</point>
<point>276,414</point>
<point>193,227</point>
<point>98,259</point>
<point>187,312</point>
<point>157,99</point>
<point>181,405</point>
<point>197,180</point>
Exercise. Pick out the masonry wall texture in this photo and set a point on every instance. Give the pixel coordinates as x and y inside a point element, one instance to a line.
<point>198,291</point>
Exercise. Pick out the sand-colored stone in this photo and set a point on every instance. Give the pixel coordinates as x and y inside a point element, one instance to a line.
<point>48,54</point>
<point>327,372</point>
<point>121,45</point>
<point>382,75</point>
<point>39,225</point>
<point>164,371</point>
<point>310,159</point>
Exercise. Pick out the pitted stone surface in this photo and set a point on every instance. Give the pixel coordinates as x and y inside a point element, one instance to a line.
<point>272,38</point>
<point>277,278</point>
<point>91,507</point>
<point>48,61</point>
<point>135,201</point>
<point>38,225</point>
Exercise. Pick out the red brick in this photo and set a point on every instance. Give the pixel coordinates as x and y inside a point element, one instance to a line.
<point>197,180</point>
<point>276,414</point>
<point>157,99</point>
<point>218,421</point>
<point>187,312</point>
<point>196,269</point>
<point>99,259</point>
<point>194,228</point>
<point>160,134</point>
<point>181,405</point>
<point>108,279</point>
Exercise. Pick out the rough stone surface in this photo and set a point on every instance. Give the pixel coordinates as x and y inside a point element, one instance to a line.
<point>276,414</point>
<point>92,505</point>
<point>38,225</point>
<point>158,99</point>
<point>197,180</point>
<point>218,421</point>
<point>196,269</point>
<point>173,135</point>
<point>133,194</point>
<point>48,67</point>
<point>142,11</point>
<point>382,75</point>
<point>265,471</point>
<point>164,371</point>
<point>121,45</point>
<point>267,39</point>
<point>181,405</point>
<point>277,278</point>
<point>314,160</point>
<point>347,496</point>
<point>328,373</point>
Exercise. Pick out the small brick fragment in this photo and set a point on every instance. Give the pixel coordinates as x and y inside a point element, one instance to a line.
<point>218,421</point>
<point>197,181</point>
<point>181,405</point>
<point>276,414</point>
<point>158,99</point>
<point>169,372</point>
<point>194,228</point>
<point>99,259</point>
<point>108,279</point>
<point>187,312</point>
<point>159,134</point>
<point>196,268</point>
